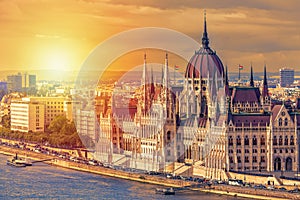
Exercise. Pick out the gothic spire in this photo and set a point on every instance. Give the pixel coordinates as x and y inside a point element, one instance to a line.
<point>205,40</point>
<point>152,89</point>
<point>226,82</point>
<point>265,83</point>
<point>166,72</point>
<point>144,81</point>
<point>251,77</point>
<point>226,76</point>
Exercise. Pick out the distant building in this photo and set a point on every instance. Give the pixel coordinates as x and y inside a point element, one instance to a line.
<point>3,89</point>
<point>29,85</point>
<point>22,83</point>
<point>14,83</point>
<point>86,125</point>
<point>27,115</point>
<point>69,107</point>
<point>286,77</point>
<point>24,112</point>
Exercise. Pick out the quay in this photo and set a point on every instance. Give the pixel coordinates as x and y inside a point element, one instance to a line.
<point>178,185</point>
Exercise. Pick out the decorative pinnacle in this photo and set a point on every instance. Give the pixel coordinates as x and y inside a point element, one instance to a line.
<point>251,77</point>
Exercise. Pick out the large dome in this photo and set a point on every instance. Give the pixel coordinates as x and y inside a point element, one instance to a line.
<point>205,61</point>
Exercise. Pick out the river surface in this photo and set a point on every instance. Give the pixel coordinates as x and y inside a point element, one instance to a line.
<point>42,181</point>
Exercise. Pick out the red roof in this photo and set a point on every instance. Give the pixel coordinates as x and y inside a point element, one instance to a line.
<point>275,111</point>
<point>255,119</point>
<point>245,94</point>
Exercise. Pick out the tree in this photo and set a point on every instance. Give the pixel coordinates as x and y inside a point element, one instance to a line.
<point>6,121</point>
<point>68,129</point>
<point>57,124</point>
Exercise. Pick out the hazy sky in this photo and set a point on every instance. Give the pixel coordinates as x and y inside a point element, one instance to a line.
<point>59,34</point>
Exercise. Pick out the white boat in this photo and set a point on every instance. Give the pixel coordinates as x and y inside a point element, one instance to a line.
<point>167,191</point>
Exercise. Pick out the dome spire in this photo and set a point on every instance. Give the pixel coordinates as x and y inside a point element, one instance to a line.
<point>205,40</point>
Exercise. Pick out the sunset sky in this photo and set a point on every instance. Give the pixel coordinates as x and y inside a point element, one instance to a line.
<point>60,34</point>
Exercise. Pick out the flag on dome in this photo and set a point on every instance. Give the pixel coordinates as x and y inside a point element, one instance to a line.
<point>176,67</point>
<point>241,67</point>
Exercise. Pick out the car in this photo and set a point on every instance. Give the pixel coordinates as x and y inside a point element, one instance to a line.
<point>282,189</point>
<point>260,186</point>
<point>296,190</point>
<point>107,165</point>
<point>169,176</point>
<point>270,187</point>
<point>93,162</point>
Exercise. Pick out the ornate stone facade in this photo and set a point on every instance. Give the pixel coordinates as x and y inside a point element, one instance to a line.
<point>210,125</point>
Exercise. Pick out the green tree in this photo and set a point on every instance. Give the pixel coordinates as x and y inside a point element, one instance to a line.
<point>68,129</point>
<point>6,121</point>
<point>57,124</point>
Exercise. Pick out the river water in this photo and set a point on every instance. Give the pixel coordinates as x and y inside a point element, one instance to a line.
<point>42,181</point>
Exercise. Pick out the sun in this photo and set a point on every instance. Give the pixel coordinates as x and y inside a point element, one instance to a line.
<point>57,60</point>
<point>55,57</point>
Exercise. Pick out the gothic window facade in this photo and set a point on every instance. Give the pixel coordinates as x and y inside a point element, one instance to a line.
<point>238,140</point>
<point>262,140</point>
<point>246,140</point>
<point>286,122</point>
<point>292,140</point>
<point>274,140</point>
<point>286,140</point>
<point>230,141</point>
<point>254,140</point>
<point>280,140</point>
<point>280,122</point>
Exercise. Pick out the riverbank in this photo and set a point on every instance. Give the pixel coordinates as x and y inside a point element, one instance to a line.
<point>223,190</point>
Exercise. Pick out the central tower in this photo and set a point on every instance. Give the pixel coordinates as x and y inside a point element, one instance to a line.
<point>203,76</point>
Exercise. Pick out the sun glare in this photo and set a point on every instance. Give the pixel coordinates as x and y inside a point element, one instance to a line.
<point>58,58</point>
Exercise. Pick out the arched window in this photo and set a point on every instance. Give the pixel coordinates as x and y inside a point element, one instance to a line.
<point>292,140</point>
<point>274,140</point>
<point>277,164</point>
<point>238,140</point>
<point>254,140</point>
<point>262,140</point>
<point>280,140</point>
<point>280,122</point>
<point>169,135</point>
<point>239,159</point>
<point>230,141</point>
<point>288,164</point>
<point>246,140</point>
<point>286,122</point>
<point>286,140</point>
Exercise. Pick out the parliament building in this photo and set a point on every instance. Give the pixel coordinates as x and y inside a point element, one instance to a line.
<point>208,126</point>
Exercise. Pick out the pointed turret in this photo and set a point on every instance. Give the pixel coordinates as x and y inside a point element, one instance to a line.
<point>205,40</point>
<point>144,84</point>
<point>144,81</point>
<point>166,73</point>
<point>265,91</point>
<point>226,82</point>
<point>251,77</point>
<point>152,84</point>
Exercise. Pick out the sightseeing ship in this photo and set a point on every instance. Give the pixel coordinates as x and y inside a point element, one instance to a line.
<point>18,162</point>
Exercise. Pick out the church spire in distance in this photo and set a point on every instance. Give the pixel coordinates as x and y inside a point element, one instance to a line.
<point>205,40</point>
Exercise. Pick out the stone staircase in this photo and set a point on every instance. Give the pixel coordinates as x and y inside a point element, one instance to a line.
<point>184,170</point>
<point>120,161</point>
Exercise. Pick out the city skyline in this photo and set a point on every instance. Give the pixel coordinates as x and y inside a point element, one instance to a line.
<point>61,36</point>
